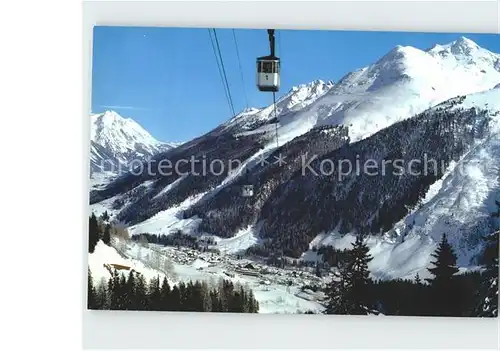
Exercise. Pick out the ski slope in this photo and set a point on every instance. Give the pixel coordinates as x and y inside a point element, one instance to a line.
<point>168,221</point>
<point>241,241</point>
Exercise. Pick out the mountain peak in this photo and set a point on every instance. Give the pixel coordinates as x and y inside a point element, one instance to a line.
<point>463,41</point>
<point>463,45</point>
<point>399,57</point>
<point>121,139</point>
<point>400,51</point>
<point>110,115</point>
<point>108,119</point>
<point>312,84</point>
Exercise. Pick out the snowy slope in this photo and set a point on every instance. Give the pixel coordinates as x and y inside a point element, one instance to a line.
<point>107,255</point>
<point>116,142</point>
<point>461,203</point>
<point>167,221</point>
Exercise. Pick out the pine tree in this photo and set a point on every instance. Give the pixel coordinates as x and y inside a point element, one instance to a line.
<point>253,304</point>
<point>236,301</point>
<point>154,295</point>
<point>196,297</point>
<point>102,295</point>
<point>91,292</point>
<point>130,287</point>
<point>226,288</point>
<point>105,216</point>
<point>183,297</point>
<point>443,290</point>
<point>360,273</point>
<point>122,293</point>
<point>165,296</point>
<point>94,232</point>
<point>141,293</point>
<point>205,297</point>
<point>175,299</point>
<point>113,291</point>
<point>348,294</point>
<point>339,298</point>
<point>417,279</point>
<point>215,301</point>
<point>106,236</point>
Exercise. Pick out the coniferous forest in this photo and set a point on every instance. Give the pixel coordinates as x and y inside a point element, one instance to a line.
<point>134,293</point>
<point>446,293</point>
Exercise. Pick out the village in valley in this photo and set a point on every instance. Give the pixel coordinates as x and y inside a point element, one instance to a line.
<point>282,286</point>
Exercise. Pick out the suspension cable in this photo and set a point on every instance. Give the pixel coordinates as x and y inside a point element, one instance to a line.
<point>224,72</point>
<point>220,70</point>
<point>241,70</point>
<point>276,118</point>
<point>279,44</point>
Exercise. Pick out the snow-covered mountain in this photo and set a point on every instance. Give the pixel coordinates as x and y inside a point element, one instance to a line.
<point>440,101</point>
<point>402,83</point>
<point>116,142</point>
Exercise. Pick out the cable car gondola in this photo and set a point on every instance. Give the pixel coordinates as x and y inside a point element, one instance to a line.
<point>268,80</point>
<point>247,190</point>
<point>268,68</point>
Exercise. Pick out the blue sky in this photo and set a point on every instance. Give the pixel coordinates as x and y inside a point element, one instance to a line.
<point>168,81</point>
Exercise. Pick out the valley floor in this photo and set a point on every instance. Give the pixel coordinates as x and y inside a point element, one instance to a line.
<point>277,290</point>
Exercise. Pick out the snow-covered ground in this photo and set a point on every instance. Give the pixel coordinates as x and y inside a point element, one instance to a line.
<point>107,205</point>
<point>99,180</point>
<point>108,255</point>
<point>241,241</point>
<point>168,221</point>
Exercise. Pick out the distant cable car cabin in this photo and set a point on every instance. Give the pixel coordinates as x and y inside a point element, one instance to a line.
<point>247,190</point>
<point>268,69</point>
